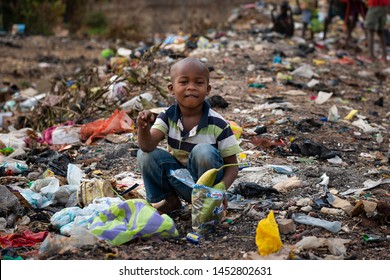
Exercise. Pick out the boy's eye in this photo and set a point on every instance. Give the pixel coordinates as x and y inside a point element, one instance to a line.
<point>200,82</point>
<point>182,82</point>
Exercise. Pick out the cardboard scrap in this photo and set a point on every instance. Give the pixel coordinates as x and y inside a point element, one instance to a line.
<point>342,204</point>
<point>290,183</point>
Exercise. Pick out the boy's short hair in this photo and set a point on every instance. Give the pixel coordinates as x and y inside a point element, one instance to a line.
<point>188,60</point>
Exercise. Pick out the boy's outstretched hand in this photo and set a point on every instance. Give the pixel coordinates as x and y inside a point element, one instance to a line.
<point>148,137</point>
<point>144,119</point>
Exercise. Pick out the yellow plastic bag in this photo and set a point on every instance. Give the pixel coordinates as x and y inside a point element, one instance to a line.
<point>237,130</point>
<point>267,235</point>
<point>351,115</point>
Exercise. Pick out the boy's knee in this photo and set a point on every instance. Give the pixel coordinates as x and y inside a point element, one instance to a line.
<point>203,149</point>
<point>204,154</point>
<point>144,158</point>
<point>141,155</point>
<point>141,158</point>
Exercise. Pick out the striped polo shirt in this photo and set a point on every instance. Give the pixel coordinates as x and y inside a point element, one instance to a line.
<point>212,129</point>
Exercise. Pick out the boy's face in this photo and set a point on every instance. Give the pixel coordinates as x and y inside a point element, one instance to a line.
<point>190,84</point>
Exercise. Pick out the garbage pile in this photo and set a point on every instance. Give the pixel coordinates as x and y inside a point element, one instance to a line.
<point>313,125</point>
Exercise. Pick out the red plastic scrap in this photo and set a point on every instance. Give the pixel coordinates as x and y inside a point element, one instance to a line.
<point>25,239</point>
<point>345,61</point>
<point>264,142</point>
<point>118,122</point>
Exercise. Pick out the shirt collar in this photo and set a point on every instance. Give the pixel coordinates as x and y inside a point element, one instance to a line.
<point>204,119</point>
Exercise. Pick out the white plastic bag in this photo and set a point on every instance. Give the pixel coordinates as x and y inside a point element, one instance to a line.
<point>66,135</point>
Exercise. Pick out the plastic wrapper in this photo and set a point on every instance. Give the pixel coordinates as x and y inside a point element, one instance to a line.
<point>207,206</point>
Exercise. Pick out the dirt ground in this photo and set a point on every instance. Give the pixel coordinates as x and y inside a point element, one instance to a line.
<point>244,75</point>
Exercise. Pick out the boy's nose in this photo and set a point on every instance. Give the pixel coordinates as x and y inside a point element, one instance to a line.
<point>191,86</point>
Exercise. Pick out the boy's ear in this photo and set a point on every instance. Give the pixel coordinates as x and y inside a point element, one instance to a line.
<point>170,88</point>
<point>208,89</point>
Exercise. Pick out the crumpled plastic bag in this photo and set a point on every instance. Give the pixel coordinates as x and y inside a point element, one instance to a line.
<point>119,121</point>
<point>237,130</point>
<point>133,218</point>
<point>267,235</point>
<point>67,218</point>
<point>56,244</point>
<point>207,202</point>
<point>42,192</point>
<point>207,207</point>
<point>61,134</point>
<point>16,139</point>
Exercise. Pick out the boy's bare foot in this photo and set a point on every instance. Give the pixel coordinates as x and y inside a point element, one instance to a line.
<point>168,205</point>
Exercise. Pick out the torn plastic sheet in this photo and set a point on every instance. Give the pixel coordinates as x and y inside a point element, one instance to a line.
<point>369,184</point>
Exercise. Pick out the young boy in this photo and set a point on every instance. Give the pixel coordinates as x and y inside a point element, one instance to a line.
<point>283,23</point>
<point>376,21</point>
<point>198,139</point>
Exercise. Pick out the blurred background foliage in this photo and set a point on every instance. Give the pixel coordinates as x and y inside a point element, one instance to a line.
<point>39,16</point>
<point>135,20</point>
<point>44,16</point>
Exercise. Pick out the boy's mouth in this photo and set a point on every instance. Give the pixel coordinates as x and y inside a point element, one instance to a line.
<point>191,95</point>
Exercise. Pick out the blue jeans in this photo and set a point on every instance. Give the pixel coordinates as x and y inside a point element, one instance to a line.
<point>156,166</point>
